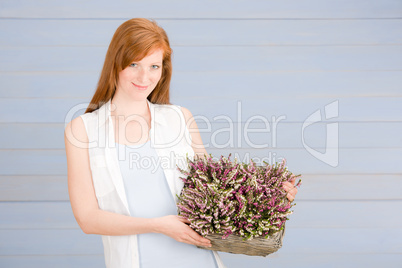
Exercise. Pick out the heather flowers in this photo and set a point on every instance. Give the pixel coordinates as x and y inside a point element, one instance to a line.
<point>226,197</point>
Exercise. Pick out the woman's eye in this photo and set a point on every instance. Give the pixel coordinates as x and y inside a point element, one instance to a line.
<point>133,64</point>
<point>155,66</point>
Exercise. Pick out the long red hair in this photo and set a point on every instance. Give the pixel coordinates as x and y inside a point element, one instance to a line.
<point>132,41</point>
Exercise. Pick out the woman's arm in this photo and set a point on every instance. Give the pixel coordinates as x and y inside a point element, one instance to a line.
<point>196,141</point>
<point>93,220</point>
<point>90,218</point>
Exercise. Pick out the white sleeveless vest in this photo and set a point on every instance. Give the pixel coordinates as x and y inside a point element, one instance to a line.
<point>172,142</point>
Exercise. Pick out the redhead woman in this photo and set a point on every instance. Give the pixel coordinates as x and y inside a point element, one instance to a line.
<point>123,153</point>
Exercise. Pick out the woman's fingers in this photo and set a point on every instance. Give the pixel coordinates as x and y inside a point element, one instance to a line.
<point>195,238</point>
<point>291,189</point>
<point>287,186</point>
<point>290,197</point>
<point>183,219</point>
<point>192,237</point>
<point>199,240</point>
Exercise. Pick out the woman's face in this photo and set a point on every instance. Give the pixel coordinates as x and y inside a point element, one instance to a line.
<point>141,77</point>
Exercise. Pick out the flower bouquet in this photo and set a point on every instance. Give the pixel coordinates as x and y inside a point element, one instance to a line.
<point>241,208</point>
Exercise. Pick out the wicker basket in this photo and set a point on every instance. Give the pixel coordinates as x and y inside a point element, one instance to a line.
<point>259,246</point>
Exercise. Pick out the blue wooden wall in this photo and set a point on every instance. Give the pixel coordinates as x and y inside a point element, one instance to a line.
<point>276,59</point>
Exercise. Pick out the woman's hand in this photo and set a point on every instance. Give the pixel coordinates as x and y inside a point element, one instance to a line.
<point>291,189</point>
<point>176,227</point>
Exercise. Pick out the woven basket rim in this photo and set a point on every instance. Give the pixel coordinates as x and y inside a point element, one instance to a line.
<point>258,246</point>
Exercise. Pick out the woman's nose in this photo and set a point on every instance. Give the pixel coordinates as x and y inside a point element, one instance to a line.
<point>143,76</point>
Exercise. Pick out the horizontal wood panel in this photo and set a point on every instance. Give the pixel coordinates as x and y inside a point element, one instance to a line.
<point>343,215</point>
<point>282,84</point>
<point>49,242</point>
<point>288,259</point>
<point>192,9</point>
<point>351,187</point>
<point>33,162</point>
<point>278,259</point>
<point>307,214</point>
<point>315,187</point>
<point>277,134</point>
<point>32,136</point>
<point>33,188</point>
<point>301,240</point>
<point>217,59</point>
<point>296,109</point>
<point>48,85</point>
<point>41,215</point>
<point>346,241</point>
<point>220,32</point>
<point>342,187</point>
<point>289,135</point>
<point>215,84</point>
<point>76,261</point>
<point>285,84</point>
<point>237,110</point>
<point>300,161</point>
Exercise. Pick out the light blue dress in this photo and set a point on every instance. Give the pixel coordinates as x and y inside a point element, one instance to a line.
<point>148,196</point>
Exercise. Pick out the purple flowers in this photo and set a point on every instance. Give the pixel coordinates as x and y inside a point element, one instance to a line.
<point>226,197</point>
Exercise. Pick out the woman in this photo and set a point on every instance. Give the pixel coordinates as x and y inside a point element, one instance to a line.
<point>130,203</point>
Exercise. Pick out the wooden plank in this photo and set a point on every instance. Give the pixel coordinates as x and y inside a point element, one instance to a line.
<point>33,188</point>
<point>318,187</point>
<point>41,215</point>
<point>45,110</point>
<point>361,161</point>
<point>284,84</point>
<point>298,32</point>
<point>215,84</point>
<point>30,188</point>
<point>33,162</point>
<point>278,259</point>
<point>313,260</point>
<point>345,214</point>
<point>32,136</point>
<point>300,240</point>
<point>48,85</point>
<point>332,214</point>
<point>176,9</point>
<point>300,161</point>
<point>351,187</point>
<point>207,32</point>
<point>346,241</point>
<point>288,58</point>
<point>76,261</point>
<point>289,135</point>
<point>297,109</point>
<point>282,135</point>
<point>245,59</point>
<point>49,242</point>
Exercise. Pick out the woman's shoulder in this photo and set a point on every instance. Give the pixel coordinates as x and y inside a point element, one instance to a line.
<point>172,110</point>
<point>80,125</point>
<point>186,112</point>
<point>75,131</point>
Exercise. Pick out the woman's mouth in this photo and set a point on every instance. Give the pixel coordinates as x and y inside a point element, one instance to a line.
<point>140,87</point>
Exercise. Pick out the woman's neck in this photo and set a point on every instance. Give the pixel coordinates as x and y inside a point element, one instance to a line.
<point>126,107</point>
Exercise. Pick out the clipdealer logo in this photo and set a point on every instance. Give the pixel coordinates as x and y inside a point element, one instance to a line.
<point>331,154</point>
